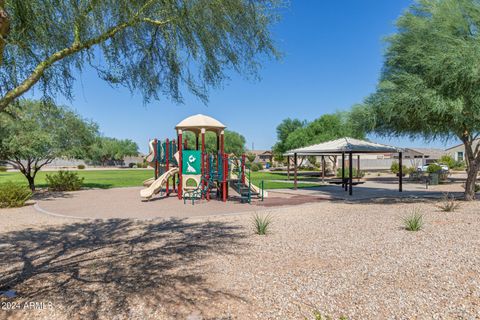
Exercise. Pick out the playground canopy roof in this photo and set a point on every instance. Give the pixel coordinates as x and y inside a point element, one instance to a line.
<point>198,122</point>
<point>343,145</point>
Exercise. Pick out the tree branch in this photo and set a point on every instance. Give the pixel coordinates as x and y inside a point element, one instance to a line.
<point>76,47</point>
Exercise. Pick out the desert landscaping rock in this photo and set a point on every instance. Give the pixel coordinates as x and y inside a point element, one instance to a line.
<point>351,259</point>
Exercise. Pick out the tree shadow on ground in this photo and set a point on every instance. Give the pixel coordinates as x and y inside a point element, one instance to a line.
<point>112,268</point>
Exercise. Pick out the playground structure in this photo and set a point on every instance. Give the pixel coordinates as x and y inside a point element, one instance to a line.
<point>191,172</point>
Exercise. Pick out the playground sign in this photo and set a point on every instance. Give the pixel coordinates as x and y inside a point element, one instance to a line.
<point>191,162</point>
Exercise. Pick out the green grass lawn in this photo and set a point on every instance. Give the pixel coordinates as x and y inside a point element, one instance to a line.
<point>93,178</point>
<point>133,177</point>
<point>269,180</point>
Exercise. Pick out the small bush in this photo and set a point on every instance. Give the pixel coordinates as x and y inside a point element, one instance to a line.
<point>131,165</point>
<point>81,166</point>
<point>13,195</point>
<point>413,222</point>
<point>261,224</point>
<point>64,181</point>
<point>410,170</point>
<point>459,165</point>
<point>256,166</point>
<point>395,168</point>
<point>3,169</point>
<point>354,173</point>
<point>317,315</point>
<point>448,161</point>
<point>449,203</point>
<point>477,187</point>
<point>434,168</point>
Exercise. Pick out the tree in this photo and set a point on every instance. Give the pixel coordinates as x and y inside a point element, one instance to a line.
<point>429,83</point>
<point>147,45</point>
<point>106,150</point>
<point>284,129</point>
<point>234,142</point>
<point>36,133</point>
<point>327,127</point>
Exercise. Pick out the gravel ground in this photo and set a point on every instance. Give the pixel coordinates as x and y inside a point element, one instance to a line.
<point>351,259</point>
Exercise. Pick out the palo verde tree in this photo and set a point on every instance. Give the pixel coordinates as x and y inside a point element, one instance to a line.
<point>153,46</point>
<point>430,81</point>
<point>36,133</point>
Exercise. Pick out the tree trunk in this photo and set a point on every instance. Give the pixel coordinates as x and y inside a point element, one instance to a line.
<point>472,172</point>
<point>31,182</point>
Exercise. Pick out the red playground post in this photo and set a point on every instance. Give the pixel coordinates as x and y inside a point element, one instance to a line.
<point>180,145</point>
<point>167,165</point>
<point>155,142</point>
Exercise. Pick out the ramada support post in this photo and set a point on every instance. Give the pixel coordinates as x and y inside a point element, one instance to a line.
<point>358,167</point>
<point>350,174</point>
<point>288,167</point>
<point>343,170</point>
<point>295,185</point>
<point>400,172</point>
<point>323,169</point>
<point>180,145</point>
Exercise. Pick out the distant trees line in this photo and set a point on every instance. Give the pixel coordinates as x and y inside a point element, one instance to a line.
<point>295,133</point>
<point>37,132</point>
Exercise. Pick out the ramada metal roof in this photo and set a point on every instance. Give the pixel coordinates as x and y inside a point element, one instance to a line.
<point>344,145</point>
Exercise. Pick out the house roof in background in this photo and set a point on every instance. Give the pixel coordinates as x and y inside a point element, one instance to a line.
<point>260,152</point>
<point>431,152</point>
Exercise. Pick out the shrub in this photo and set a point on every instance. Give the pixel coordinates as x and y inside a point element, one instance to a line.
<point>434,168</point>
<point>256,166</point>
<point>449,203</point>
<point>459,165</point>
<point>13,195</point>
<point>3,169</point>
<point>354,173</point>
<point>81,166</point>
<point>448,160</point>
<point>317,315</point>
<point>131,165</point>
<point>410,170</point>
<point>261,224</point>
<point>413,222</point>
<point>64,181</point>
<point>477,187</point>
<point>395,168</point>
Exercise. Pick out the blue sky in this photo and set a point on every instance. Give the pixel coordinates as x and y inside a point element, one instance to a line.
<point>332,60</point>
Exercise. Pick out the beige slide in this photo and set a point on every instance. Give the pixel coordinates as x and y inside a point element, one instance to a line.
<point>157,185</point>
